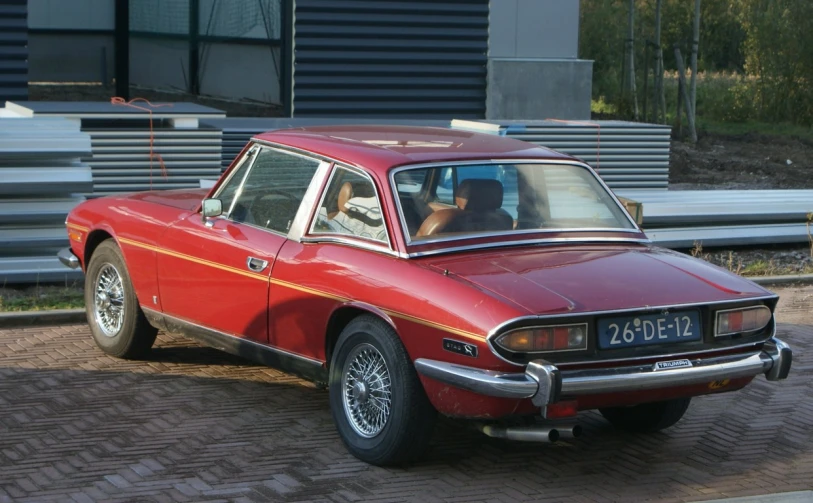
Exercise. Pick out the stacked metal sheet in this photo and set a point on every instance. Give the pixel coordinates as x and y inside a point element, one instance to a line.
<point>141,147</point>
<point>13,50</point>
<point>40,177</point>
<point>682,218</point>
<point>238,131</point>
<point>627,155</point>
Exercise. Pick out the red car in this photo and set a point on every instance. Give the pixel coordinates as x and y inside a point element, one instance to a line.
<point>418,271</point>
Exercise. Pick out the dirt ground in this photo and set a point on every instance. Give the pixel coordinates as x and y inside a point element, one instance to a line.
<point>750,161</point>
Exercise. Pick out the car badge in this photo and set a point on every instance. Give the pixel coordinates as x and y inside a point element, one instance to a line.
<point>460,348</point>
<point>671,365</point>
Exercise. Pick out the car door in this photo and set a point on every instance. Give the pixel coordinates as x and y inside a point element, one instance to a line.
<point>215,273</point>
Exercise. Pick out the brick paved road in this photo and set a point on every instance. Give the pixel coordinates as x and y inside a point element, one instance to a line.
<point>194,424</point>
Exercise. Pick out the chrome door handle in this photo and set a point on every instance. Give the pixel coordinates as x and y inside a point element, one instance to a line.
<point>256,264</point>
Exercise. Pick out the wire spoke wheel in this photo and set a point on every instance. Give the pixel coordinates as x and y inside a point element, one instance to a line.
<point>366,389</point>
<point>108,294</point>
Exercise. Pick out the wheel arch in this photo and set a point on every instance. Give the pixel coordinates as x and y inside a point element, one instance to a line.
<point>342,316</point>
<point>94,239</point>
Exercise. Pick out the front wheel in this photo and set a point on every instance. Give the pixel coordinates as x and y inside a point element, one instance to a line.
<point>647,417</point>
<point>116,321</point>
<point>379,406</point>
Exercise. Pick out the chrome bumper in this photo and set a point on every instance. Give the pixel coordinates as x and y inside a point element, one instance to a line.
<point>544,383</point>
<point>67,257</point>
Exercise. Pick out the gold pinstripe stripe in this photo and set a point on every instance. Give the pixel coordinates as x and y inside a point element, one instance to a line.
<point>196,260</point>
<point>294,286</point>
<point>432,324</point>
<point>77,227</point>
<point>300,288</point>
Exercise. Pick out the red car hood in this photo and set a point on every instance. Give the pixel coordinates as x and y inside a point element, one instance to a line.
<point>185,199</point>
<point>576,279</point>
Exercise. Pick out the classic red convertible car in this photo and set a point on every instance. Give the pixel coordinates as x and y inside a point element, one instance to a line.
<point>418,271</point>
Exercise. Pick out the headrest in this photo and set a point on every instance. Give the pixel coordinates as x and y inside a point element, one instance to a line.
<point>476,194</point>
<point>350,190</point>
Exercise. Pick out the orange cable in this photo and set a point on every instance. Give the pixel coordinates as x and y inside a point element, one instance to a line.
<point>153,155</point>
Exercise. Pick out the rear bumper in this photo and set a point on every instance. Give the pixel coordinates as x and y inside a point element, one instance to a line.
<point>544,383</point>
<point>67,257</point>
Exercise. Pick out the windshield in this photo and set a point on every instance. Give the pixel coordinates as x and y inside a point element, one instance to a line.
<point>467,200</point>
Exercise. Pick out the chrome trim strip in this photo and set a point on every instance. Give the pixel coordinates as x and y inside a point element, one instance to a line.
<point>272,356</point>
<point>408,239</point>
<point>521,232</point>
<point>541,379</point>
<point>357,243</point>
<point>541,242</point>
<point>362,173</point>
<point>494,332</point>
<point>68,259</point>
<point>643,377</point>
<point>484,382</point>
<point>749,308</point>
<point>250,155</point>
<point>306,209</point>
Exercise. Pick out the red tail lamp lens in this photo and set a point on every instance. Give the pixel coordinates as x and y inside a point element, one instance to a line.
<point>555,338</point>
<point>740,321</point>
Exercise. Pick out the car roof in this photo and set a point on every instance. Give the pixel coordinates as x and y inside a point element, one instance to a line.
<point>379,148</point>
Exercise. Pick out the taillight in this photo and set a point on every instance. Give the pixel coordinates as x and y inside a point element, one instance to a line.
<point>556,338</point>
<point>739,321</point>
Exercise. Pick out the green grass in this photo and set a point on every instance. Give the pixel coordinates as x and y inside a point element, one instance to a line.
<point>762,128</point>
<point>41,298</point>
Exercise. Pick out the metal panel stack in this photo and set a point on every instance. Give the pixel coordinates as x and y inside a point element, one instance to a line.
<point>123,138</point>
<point>40,177</point>
<point>681,218</point>
<point>13,50</point>
<point>627,155</point>
<point>390,58</point>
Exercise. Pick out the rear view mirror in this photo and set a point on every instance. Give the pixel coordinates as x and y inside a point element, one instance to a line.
<point>211,208</point>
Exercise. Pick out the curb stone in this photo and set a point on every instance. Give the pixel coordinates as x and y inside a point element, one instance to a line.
<point>31,318</point>
<point>781,280</point>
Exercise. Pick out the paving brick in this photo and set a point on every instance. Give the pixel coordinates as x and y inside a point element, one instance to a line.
<point>195,424</point>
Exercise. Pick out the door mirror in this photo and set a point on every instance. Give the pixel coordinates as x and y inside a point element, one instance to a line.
<point>211,208</point>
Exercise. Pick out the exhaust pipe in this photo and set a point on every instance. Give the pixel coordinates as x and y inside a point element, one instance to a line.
<point>569,431</point>
<point>522,434</point>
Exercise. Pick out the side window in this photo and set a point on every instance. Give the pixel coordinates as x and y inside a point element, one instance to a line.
<point>445,188</point>
<point>350,206</point>
<point>235,181</point>
<point>273,190</point>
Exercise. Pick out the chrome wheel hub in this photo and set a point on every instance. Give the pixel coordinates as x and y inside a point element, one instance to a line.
<point>109,300</point>
<point>366,390</point>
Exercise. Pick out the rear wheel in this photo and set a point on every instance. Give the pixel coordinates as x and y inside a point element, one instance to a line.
<point>116,321</point>
<point>647,417</point>
<point>378,403</point>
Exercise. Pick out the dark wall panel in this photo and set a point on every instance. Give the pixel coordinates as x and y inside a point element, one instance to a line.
<point>13,50</point>
<point>388,58</point>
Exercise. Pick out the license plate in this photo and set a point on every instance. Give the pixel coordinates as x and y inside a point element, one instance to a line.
<point>630,331</point>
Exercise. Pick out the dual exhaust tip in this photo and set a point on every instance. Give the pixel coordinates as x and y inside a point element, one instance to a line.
<point>547,434</point>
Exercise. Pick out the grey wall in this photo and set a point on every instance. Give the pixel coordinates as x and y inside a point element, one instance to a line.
<point>534,29</point>
<point>241,71</point>
<point>533,66</point>
<point>71,14</point>
<point>527,90</point>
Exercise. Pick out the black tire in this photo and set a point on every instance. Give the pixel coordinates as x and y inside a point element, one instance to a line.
<point>647,417</point>
<point>132,336</point>
<point>408,426</point>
